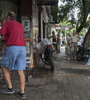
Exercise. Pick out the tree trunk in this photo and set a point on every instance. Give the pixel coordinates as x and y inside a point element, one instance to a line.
<point>86,42</point>
<point>84,15</point>
<point>81,26</point>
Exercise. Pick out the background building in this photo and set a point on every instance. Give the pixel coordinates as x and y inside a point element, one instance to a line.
<point>36,17</point>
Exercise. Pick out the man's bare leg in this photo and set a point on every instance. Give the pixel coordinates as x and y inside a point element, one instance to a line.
<point>22,81</point>
<point>6,75</point>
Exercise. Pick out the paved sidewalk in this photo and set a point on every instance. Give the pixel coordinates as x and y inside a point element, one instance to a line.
<point>69,81</point>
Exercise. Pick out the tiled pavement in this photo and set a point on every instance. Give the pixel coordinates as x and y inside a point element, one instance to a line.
<point>69,81</point>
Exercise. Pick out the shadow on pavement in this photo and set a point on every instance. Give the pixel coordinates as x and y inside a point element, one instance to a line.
<point>76,71</point>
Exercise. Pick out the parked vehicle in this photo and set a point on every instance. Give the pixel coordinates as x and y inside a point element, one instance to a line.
<point>82,53</point>
<point>2,81</point>
<point>46,52</point>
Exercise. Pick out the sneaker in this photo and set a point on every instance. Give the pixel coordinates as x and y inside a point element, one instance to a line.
<point>21,96</point>
<point>7,91</point>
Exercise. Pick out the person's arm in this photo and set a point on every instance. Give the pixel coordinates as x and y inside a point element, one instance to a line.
<point>59,38</point>
<point>70,40</point>
<point>50,37</point>
<point>3,32</point>
<point>1,36</point>
<point>2,39</point>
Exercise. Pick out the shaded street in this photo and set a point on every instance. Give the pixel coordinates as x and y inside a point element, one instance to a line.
<point>63,23</point>
<point>69,81</point>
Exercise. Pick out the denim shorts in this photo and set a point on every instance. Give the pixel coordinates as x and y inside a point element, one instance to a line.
<point>14,58</point>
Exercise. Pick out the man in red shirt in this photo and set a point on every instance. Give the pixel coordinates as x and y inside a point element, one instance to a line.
<point>14,57</point>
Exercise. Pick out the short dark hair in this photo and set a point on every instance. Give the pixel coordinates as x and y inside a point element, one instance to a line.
<point>12,15</point>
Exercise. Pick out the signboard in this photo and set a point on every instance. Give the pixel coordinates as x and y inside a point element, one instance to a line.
<point>26,25</point>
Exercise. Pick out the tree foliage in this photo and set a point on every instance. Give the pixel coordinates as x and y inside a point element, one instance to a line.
<point>67,11</point>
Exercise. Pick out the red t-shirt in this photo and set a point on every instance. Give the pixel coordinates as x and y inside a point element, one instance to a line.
<point>13,32</point>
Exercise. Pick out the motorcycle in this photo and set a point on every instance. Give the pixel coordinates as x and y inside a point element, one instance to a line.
<point>82,53</point>
<point>46,53</point>
<point>2,81</point>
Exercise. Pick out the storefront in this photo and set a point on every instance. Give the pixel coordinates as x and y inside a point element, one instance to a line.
<point>23,10</point>
<point>34,15</point>
<point>41,18</point>
<point>26,19</point>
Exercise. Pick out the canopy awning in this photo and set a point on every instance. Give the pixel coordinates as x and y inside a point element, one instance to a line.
<point>47,2</point>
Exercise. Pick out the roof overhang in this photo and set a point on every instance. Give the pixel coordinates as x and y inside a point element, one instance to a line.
<point>46,2</point>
